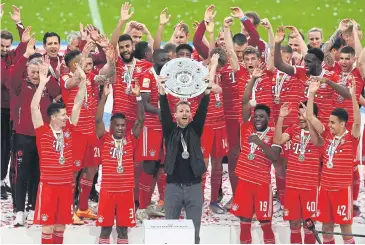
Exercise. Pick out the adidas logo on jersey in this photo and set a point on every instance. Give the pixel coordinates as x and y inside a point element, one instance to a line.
<point>345,219</point>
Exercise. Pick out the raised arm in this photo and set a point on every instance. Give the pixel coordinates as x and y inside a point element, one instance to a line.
<point>361,63</point>
<point>124,16</point>
<point>341,90</point>
<point>246,106</point>
<point>229,44</point>
<point>99,123</point>
<point>270,62</point>
<point>34,105</point>
<point>164,19</point>
<point>75,114</point>
<point>296,34</point>
<point>278,61</point>
<point>317,125</point>
<point>108,69</point>
<point>279,137</point>
<point>355,107</point>
<point>166,118</point>
<point>137,127</point>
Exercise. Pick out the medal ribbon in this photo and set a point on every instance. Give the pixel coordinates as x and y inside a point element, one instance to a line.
<point>185,147</point>
<point>334,145</point>
<point>129,73</point>
<point>254,88</point>
<point>253,146</point>
<point>279,83</point>
<point>119,144</point>
<point>59,141</point>
<point>303,144</point>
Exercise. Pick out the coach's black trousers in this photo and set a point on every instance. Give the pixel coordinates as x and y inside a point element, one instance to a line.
<point>27,171</point>
<point>5,141</point>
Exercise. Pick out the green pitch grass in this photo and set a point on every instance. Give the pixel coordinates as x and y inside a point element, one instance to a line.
<point>62,16</point>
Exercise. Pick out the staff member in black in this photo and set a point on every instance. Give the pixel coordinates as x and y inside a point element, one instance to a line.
<point>184,163</point>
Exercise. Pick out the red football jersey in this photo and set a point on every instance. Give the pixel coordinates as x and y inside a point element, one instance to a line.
<point>258,169</point>
<point>112,180</point>
<point>125,102</point>
<point>339,174</point>
<point>263,92</point>
<point>52,172</point>
<point>340,102</point>
<point>215,115</point>
<point>86,123</point>
<point>148,84</point>
<point>289,89</point>
<point>308,169</point>
<point>324,96</point>
<point>233,86</point>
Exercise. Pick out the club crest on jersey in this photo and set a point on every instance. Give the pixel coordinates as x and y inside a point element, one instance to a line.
<point>77,163</point>
<point>266,139</point>
<point>235,207</point>
<point>88,82</point>
<point>138,69</point>
<point>152,153</point>
<point>67,134</point>
<point>286,212</point>
<point>44,217</point>
<point>318,213</point>
<point>100,219</point>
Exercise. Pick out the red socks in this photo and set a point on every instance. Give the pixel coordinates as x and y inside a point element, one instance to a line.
<point>215,182</point>
<point>145,192</point>
<point>57,237</point>
<point>328,239</point>
<point>161,183</point>
<point>309,237</point>
<point>280,186</point>
<point>122,240</point>
<point>245,235</point>
<point>104,240</point>
<point>47,238</point>
<point>269,237</point>
<point>85,188</point>
<point>296,235</point>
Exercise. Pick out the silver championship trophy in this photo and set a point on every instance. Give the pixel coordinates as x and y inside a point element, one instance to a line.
<point>185,77</point>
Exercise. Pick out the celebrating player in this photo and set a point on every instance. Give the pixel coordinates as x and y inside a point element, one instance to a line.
<point>117,183</point>
<point>54,206</point>
<point>335,203</point>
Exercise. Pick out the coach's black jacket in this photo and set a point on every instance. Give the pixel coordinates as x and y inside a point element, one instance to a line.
<point>192,134</point>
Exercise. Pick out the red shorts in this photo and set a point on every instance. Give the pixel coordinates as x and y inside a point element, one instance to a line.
<point>300,204</point>
<point>149,145</point>
<point>335,206</point>
<point>214,142</point>
<point>54,204</point>
<point>233,133</point>
<point>116,205</point>
<point>86,150</point>
<point>363,146</point>
<point>251,198</point>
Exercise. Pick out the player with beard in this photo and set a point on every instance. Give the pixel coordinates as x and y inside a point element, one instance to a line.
<point>335,203</point>
<point>253,193</point>
<point>27,165</point>
<point>303,163</point>
<point>150,148</point>
<point>313,69</point>
<point>86,151</point>
<point>117,182</point>
<point>128,72</point>
<point>54,144</point>
<point>350,72</point>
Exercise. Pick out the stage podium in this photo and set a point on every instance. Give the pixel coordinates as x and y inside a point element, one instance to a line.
<point>169,231</point>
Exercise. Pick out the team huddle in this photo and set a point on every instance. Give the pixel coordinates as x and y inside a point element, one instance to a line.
<point>294,107</point>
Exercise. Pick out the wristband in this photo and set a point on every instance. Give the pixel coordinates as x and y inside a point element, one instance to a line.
<point>139,98</point>
<point>244,18</point>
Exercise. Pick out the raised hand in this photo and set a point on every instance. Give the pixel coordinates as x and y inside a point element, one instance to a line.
<point>210,14</point>
<point>285,110</point>
<point>344,25</point>
<point>314,86</point>
<point>46,60</point>
<point>110,54</point>
<point>125,12</point>
<point>106,89</point>
<point>280,34</point>
<point>304,114</point>
<point>15,16</point>
<point>136,90</point>
<point>43,72</point>
<point>214,60</point>
<point>259,71</point>
<point>195,25</point>
<point>352,87</point>
<point>80,71</point>
<point>161,84</point>
<point>266,24</point>
<point>228,21</point>
<point>164,18</point>
<point>209,26</point>
<point>93,32</point>
<point>143,28</point>
<point>103,41</point>
<point>2,10</point>
<point>83,32</point>
<point>237,12</point>
<point>294,31</point>
<point>26,34</point>
<point>30,48</point>
<point>87,49</point>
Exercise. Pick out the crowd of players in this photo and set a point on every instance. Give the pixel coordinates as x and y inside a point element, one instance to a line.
<point>293,106</point>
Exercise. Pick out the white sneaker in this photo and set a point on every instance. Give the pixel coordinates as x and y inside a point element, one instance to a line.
<point>228,205</point>
<point>141,215</point>
<point>19,219</point>
<point>30,216</point>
